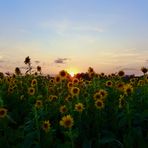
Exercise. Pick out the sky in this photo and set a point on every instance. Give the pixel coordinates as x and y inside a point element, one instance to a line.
<point>108,35</point>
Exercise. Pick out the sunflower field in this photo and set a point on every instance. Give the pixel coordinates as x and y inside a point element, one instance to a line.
<point>88,110</point>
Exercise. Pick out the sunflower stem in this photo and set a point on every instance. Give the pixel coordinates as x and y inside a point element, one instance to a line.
<point>71,138</point>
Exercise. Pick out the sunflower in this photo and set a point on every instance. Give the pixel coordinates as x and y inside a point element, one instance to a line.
<point>79,107</point>
<point>103,93</point>
<point>39,68</point>
<point>3,112</point>
<point>46,125</point>
<point>109,83</point>
<point>52,98</point>
<point>63,74</point>
<point>128,89</point>
<point>38,104</point>
<point>33,82</point>
<point>75,91</point>
<point>69,84</point>
<point>75,81</point>
<point>121,101</point>
<point>140,83</point>
<point>67,121</point>
<point>52,81</point>
<point>121,73</point>
<point>120,86</point>
<point>27,60</point>
<point>57,79</point>
<point>68,98</point>
<point>63,109</point>
<point>99,104</point>
<point>97,95</point>
<point>17,71</point>
<point>10,89</point>
<point>144,70</point>
<point>31,91</point>
<point>90,70</point>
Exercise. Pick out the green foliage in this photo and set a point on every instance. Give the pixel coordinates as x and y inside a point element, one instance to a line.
<point>122,121</point>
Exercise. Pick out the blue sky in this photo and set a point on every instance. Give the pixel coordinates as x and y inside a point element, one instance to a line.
<point>108,35</point>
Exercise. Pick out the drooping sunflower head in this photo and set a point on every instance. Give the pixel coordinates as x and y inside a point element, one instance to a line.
<point>46,126</point>
<point>17,71</point>
<point>67,121</point>
<point>39,68</point>
<point>90,70</point>
<point>3,112</point>
<point>99,104</point>
<point>144,70</point>
<point>79,107</point>
<point>27,60</point>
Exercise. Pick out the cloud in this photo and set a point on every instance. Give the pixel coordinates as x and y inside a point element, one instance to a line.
<point>61,60</point>
<point>64,27</point>
<point>37,62</point>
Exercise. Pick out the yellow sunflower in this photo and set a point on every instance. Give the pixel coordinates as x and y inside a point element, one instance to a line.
<point>67,121</point>
<point>52,98</point>
<point>69,84</point>
<point>63,74</point>
<point>99,104</point>
<point>128,89</point>
<point>57,79</point>
<point>97,96</point>
<point>109,83</point>
<point>74,91</point>
<point>68,98</point>
<point>31,91</point>
<point>33,82</point>
<point>75,81</point>
<point>63,109</point>
<point>38,104</point>
<point>120,86</point>
<point>46,125</point>
<point>103,93</point>
<point>79,107</point>
<point>3,112</point>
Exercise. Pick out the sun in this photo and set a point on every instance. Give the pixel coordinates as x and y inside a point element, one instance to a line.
<point>72,71</point>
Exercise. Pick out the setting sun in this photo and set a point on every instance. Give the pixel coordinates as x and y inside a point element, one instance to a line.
<point>72,71</point>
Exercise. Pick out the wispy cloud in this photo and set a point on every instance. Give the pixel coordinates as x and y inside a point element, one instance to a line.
<point>61,60</point>
<point>66,26</point>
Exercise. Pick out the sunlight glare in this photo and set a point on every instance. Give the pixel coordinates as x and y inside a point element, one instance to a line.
<point>72,71</point>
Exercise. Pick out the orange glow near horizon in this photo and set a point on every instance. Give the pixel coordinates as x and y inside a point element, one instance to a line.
<point>72,71</point>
